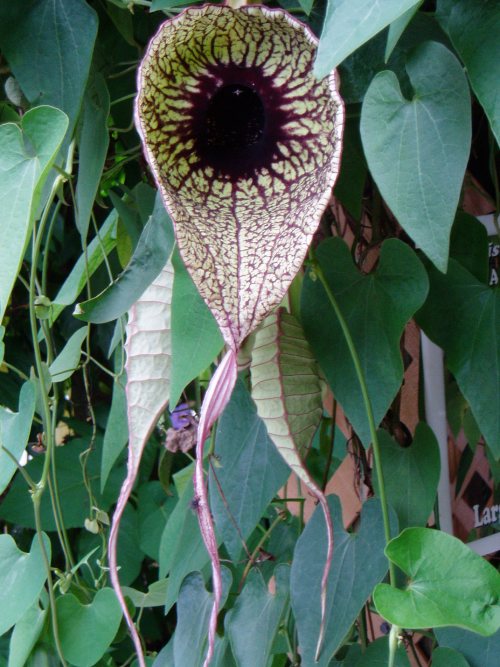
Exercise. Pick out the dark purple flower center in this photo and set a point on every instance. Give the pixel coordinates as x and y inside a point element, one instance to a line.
<point>235,120</point>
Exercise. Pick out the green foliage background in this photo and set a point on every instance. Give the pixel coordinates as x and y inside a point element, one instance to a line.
<point>80,222</point>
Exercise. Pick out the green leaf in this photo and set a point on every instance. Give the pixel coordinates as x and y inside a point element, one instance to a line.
<point>25,635</point>
<point>66,362</point>
<point>376,307</point>
<point>49,48</point>
<point>253,623</point>
<point>2,344</point>
<point>462,315</point>
<point>193,612</point>
<point>473,27</point>
<point>93,141</point>
<point>349,24</point>
<point>196,338</point>
<point>86,631</point>
<point>17,506</point>
<point>479,651</point>
<point>250,470</point>
<point>418,149</point>
<point>14,433</point>
<point>155,596</point>
<point>350,581</point>
<point>449,584</point>
<point>469,245</point>
<point>22,577</point>
<point>351,181</point>
<point>27,153</point>
<point>150,256</point>
<point>182,549</point>
<point>116,433</point>
<point>98,249</point>
<point>397,28</point>
<point>154,507</point>
<point>448,657</point>
<point>377,655</point>
<point>411,475</point>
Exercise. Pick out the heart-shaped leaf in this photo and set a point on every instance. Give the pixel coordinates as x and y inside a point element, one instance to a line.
<point>350,582</point>
<point>418,149</point>
<point>349,24</point>
<point>253,622</point>
<point>250,474</point>
<point>376,307</point>
<point>449,584</point>
<point>26,156</point>
<point>462,315</point>
<point>473,26</point>
<point>86,631</point>
<point>479,651</point>
<point>14,433</point>
<point>411,475</point>
<point>22,577</point>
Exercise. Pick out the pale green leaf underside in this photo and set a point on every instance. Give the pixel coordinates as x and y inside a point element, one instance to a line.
<point>286,387</point>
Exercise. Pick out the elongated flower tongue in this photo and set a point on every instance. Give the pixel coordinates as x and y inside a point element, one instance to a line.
<point>244,144</point>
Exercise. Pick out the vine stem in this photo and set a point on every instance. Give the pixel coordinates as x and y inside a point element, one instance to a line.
<point>373,434</point>
<point>47,417</point>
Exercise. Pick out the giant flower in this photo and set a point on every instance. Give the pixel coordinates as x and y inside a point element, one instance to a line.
<point>244,144</point>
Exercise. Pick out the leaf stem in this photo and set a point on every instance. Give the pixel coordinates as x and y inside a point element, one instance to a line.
<point>367,403</point>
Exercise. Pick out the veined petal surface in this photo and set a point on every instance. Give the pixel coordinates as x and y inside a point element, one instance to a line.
<point>244,143</point>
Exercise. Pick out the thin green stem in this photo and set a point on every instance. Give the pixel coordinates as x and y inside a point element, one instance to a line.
<point>16,370</point>
<point>368,407</point>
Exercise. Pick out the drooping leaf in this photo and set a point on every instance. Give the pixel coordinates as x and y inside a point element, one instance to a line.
<point>148,350</point>
<point>473,26</point>
<point>86,630</point>
<point>116,433</point>
<point>418,149</point>
<point>376,307</point>
<point>349,24</point>
<point>350,581</point>
<point>448,657</point>
<point>252,624</point>
<point>97,250</point>
<point>49,48</point>
<point>14,433</point>
<point>152,252</point>
<point>196,339</point>
<point>25,635</point>
<point>479,651</point>
<point>462,315</point>
<point>449,584</point>
<point>22,576</point>
<point>27,152</point>
<point>249,471</point>
<point>66,362</point>
<point>411,475</point>
<point>93,141</point>
<point>195,604</point>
